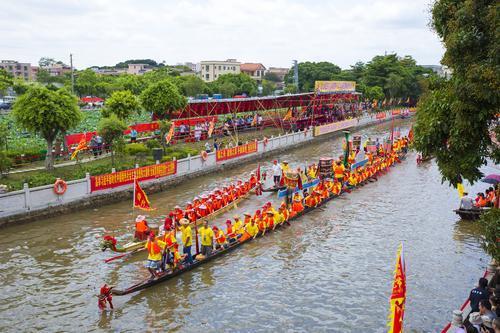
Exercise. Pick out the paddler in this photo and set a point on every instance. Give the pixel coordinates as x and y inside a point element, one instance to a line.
<point>285,167</point>
<point>297,205</point>
<point>311,200</point>
<point>231,235</point>
<point>283,211</point>
<point>207,239</point>
<point>155,249</point>
<point>253,180</point>
<point>252,229</point>
<point>220,238</point>
<point>178,213</point>
<point>187,240</point>
<point>248,218</point>
<point>238,226</point>
<point>338,171</point>
<point>141,228</point>
<point>269,220</point>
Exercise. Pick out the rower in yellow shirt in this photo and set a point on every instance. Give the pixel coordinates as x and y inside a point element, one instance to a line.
<point>238,226</point>
<point>187,239</point>
<point>155,251</point>
<point>207,239</point>
<point>252,229</point>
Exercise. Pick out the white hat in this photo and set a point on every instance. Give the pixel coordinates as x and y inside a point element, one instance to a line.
<point>458,318</point>
<point>475,318</point>
<point>487,321</point>
<point>184,221</point>
<point>140,218</point>
<point>203,207</point>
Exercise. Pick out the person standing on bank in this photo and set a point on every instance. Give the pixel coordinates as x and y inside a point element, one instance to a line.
<point>276,173</point>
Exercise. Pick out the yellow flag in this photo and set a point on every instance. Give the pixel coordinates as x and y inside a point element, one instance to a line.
<point>460,189</point>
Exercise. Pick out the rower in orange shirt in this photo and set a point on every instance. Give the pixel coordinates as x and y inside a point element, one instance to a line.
<point>220,238</point>
<point>269,220</point>
<point>311,200</point>
<point>284,210</point>
<point>141,228</point>
<point>247,219</point>
<point>178,213</point>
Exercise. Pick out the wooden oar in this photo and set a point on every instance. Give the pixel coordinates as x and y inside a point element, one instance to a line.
<point>121,256</point>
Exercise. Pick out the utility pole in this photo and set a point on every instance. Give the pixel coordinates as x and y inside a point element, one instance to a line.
<point>296,74</point>
<point>72,73</point>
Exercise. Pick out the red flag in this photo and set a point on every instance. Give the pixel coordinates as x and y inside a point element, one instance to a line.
<point>398,295</point>
<point>141,200</point>
<point>254,120</point>
<point>410,134</point>
<point>258,172</point>
<point>170,133</point>
<point>288,115</point>
<point>82,145</point>
<point>211,128</point>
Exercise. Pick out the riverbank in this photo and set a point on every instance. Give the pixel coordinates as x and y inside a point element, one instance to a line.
<point>80,195</point>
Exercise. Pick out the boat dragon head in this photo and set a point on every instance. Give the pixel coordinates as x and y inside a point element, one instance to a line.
<point>108,242</point>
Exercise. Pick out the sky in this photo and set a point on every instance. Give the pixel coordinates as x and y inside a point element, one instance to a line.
<point>272,32</point>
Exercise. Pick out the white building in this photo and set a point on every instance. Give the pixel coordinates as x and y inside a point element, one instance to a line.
<point>210,70</point>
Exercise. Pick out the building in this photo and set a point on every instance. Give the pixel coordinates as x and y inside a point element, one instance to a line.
<point>279,71</point>
<point>210,70</point>
<point>255,71</point>
<point>58,69</point>
<point>20,70</point>
<point>441,71</point>
<point>138,69</point>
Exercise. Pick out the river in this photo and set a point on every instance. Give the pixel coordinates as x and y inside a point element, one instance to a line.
<point>330,271</point>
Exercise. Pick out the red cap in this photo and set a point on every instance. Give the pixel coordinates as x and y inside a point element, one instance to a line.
<point>228,221</point>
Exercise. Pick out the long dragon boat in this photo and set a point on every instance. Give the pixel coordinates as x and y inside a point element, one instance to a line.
<point>169,274</point>
<point>469,214</point>
<point>109,242</point>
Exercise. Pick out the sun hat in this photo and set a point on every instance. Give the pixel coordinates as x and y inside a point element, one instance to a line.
<point>140,218</point>
<point>184,221</point>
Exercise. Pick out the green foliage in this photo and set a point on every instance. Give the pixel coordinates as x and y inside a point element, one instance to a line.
<point>133,83</point>
<point>153,143</point>
<point>47,113</point>
<point>290,89</point>
<point>20,86</point>
<point>178,153</point>
<point>490,222</point>
<point>5,162</point>
<point>455,117</point>
<point>87,84</point>
<point>6,80</point>
<point>4,135</point>
<point>111,129</point>
<point>310,72</point>
<point>162,98</point>
<point>136,148</point>
<point>240,83</point>
<point>191,85</point>
<point>268,87</point>
<point>124,64</point>
<point>273,77</point>
<point>121,103</point>
<point>374,93</point>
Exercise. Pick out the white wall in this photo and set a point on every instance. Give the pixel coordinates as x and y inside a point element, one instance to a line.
<point>44,196</point>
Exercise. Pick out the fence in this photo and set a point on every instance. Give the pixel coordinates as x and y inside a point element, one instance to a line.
<point>30,199</point>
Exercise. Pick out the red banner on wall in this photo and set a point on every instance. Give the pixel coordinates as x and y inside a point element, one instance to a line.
<point>229,153</point>
<point>381,115</point>
<point>111,180</point>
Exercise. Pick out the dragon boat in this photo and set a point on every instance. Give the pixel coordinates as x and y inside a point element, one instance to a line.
<point>169,274</point>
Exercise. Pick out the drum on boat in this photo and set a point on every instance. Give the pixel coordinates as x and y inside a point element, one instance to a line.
<point>291,179</point>
<point>325,167</point>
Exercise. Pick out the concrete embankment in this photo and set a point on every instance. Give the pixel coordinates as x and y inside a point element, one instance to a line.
<point>38,203</point>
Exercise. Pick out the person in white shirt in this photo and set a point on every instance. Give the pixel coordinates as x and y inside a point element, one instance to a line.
<point>466,203</point>
<point>276,173</point>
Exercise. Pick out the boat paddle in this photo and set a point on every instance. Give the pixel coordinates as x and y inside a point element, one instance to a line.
<point>121,256</point>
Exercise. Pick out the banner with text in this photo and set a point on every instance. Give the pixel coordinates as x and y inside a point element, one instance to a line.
<point>334,86</point>
<point>229,153</point>
<point>111,180</point>
<point>334,127</point>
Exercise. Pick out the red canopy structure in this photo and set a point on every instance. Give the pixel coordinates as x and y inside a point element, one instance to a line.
<point>90,99</point>
<point>203,108</point>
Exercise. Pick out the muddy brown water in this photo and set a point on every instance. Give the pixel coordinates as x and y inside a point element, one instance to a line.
<point>331,271</point>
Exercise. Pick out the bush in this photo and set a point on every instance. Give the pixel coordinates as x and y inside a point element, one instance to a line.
<point>490,222</point>
<point>5,162</point>
<point>153,144</point>
<point>136,148</point>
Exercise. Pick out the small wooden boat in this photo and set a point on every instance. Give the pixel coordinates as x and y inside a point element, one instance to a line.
<point>469,214</point>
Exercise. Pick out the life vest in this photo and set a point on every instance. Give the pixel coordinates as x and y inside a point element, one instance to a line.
<point>220,237</point>
<point>297,206</point>
<point>153,248</point>
<point>482,202</point>
<point>262,225</point>
<point>179,214</point>
<point>169,238</point>
<point>310,201</point>
<point>141,226</point>
<point>339,171</point>
<point>270,222</point>
<point>247,220</point>
<point>286,214</point>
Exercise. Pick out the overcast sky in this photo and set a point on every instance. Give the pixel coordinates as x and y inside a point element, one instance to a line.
<point>100,32</point>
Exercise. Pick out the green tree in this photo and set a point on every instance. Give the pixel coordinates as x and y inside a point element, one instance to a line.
<point>310,72</point>
<point>455,117</point>
<point>268,87</point>
<point>122,104</point>
<point>190,85</point>
<point>490,223</point>
<point>290,89</point>
<point>269,76</point>
<point>227,89</point>
<point>162,98</point>
<point>374,93</point>
<point>132,83</point>
<point>6,81</point>
<point>86,83</point>
<point>20,86</point>
<point>244,84</point>
<point>46,113</point>
<point>111,129</point>
<point>5,163</point>
<point>46,62</point>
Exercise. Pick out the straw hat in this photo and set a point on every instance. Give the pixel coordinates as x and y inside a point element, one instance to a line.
<point>184,221</point>
<point>236,216</point>
<point>177,207</point>
<point>247,214</point>
<point>140,218</point>
<point>269,212</point>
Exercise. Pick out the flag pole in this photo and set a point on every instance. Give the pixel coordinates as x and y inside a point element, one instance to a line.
<point>133,197</point>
